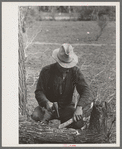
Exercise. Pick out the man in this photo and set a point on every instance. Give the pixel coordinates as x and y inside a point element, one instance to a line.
<point>56,83</point>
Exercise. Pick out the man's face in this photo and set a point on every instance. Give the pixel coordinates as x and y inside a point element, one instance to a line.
<point>62,69</point>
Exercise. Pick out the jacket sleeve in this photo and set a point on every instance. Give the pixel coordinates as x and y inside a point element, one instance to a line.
<point>82,88</point>
<point>40,90</point>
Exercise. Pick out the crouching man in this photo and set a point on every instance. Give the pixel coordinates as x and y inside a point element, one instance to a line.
<point>56,83</point>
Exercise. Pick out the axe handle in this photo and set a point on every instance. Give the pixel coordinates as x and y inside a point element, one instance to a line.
<point>55,106</point>
<point>70,121</point>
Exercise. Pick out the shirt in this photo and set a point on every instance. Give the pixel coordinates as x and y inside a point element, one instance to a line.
<point>51,86</point>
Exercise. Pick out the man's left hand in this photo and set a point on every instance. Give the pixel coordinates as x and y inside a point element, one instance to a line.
<point>78,113</point>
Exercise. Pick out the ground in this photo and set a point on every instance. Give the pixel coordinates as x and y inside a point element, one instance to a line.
<point>97,59</point>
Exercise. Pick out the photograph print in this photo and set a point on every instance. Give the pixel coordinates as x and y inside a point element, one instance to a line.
<point>67,74</point>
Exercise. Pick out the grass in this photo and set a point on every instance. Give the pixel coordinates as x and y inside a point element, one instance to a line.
<point>72,32</point>
<point>97,63</point>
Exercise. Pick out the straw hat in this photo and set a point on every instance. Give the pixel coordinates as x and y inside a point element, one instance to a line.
<point>65,56</point>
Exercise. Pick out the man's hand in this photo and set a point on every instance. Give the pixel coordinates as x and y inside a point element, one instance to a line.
<point>78,113</point>
<point>49,106</point>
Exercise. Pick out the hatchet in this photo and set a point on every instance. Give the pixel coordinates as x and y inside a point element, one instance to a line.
<point>70,121</point>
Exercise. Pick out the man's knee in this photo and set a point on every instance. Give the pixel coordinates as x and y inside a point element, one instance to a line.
<point>79,124</point>
<point>37,114</point>
<point>66,114</point>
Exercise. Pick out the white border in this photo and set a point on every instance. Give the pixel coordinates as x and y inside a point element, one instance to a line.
<point>10,72</point>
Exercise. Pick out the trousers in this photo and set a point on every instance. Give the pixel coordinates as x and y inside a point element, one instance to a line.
<point>65,115</point>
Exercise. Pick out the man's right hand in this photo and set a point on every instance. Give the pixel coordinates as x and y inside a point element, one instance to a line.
<point>49,106</point>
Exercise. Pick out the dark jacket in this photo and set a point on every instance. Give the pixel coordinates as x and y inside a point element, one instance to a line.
<point>52,87</point>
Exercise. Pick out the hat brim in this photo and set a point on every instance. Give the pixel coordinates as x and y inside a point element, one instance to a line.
<point>65,65</point>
